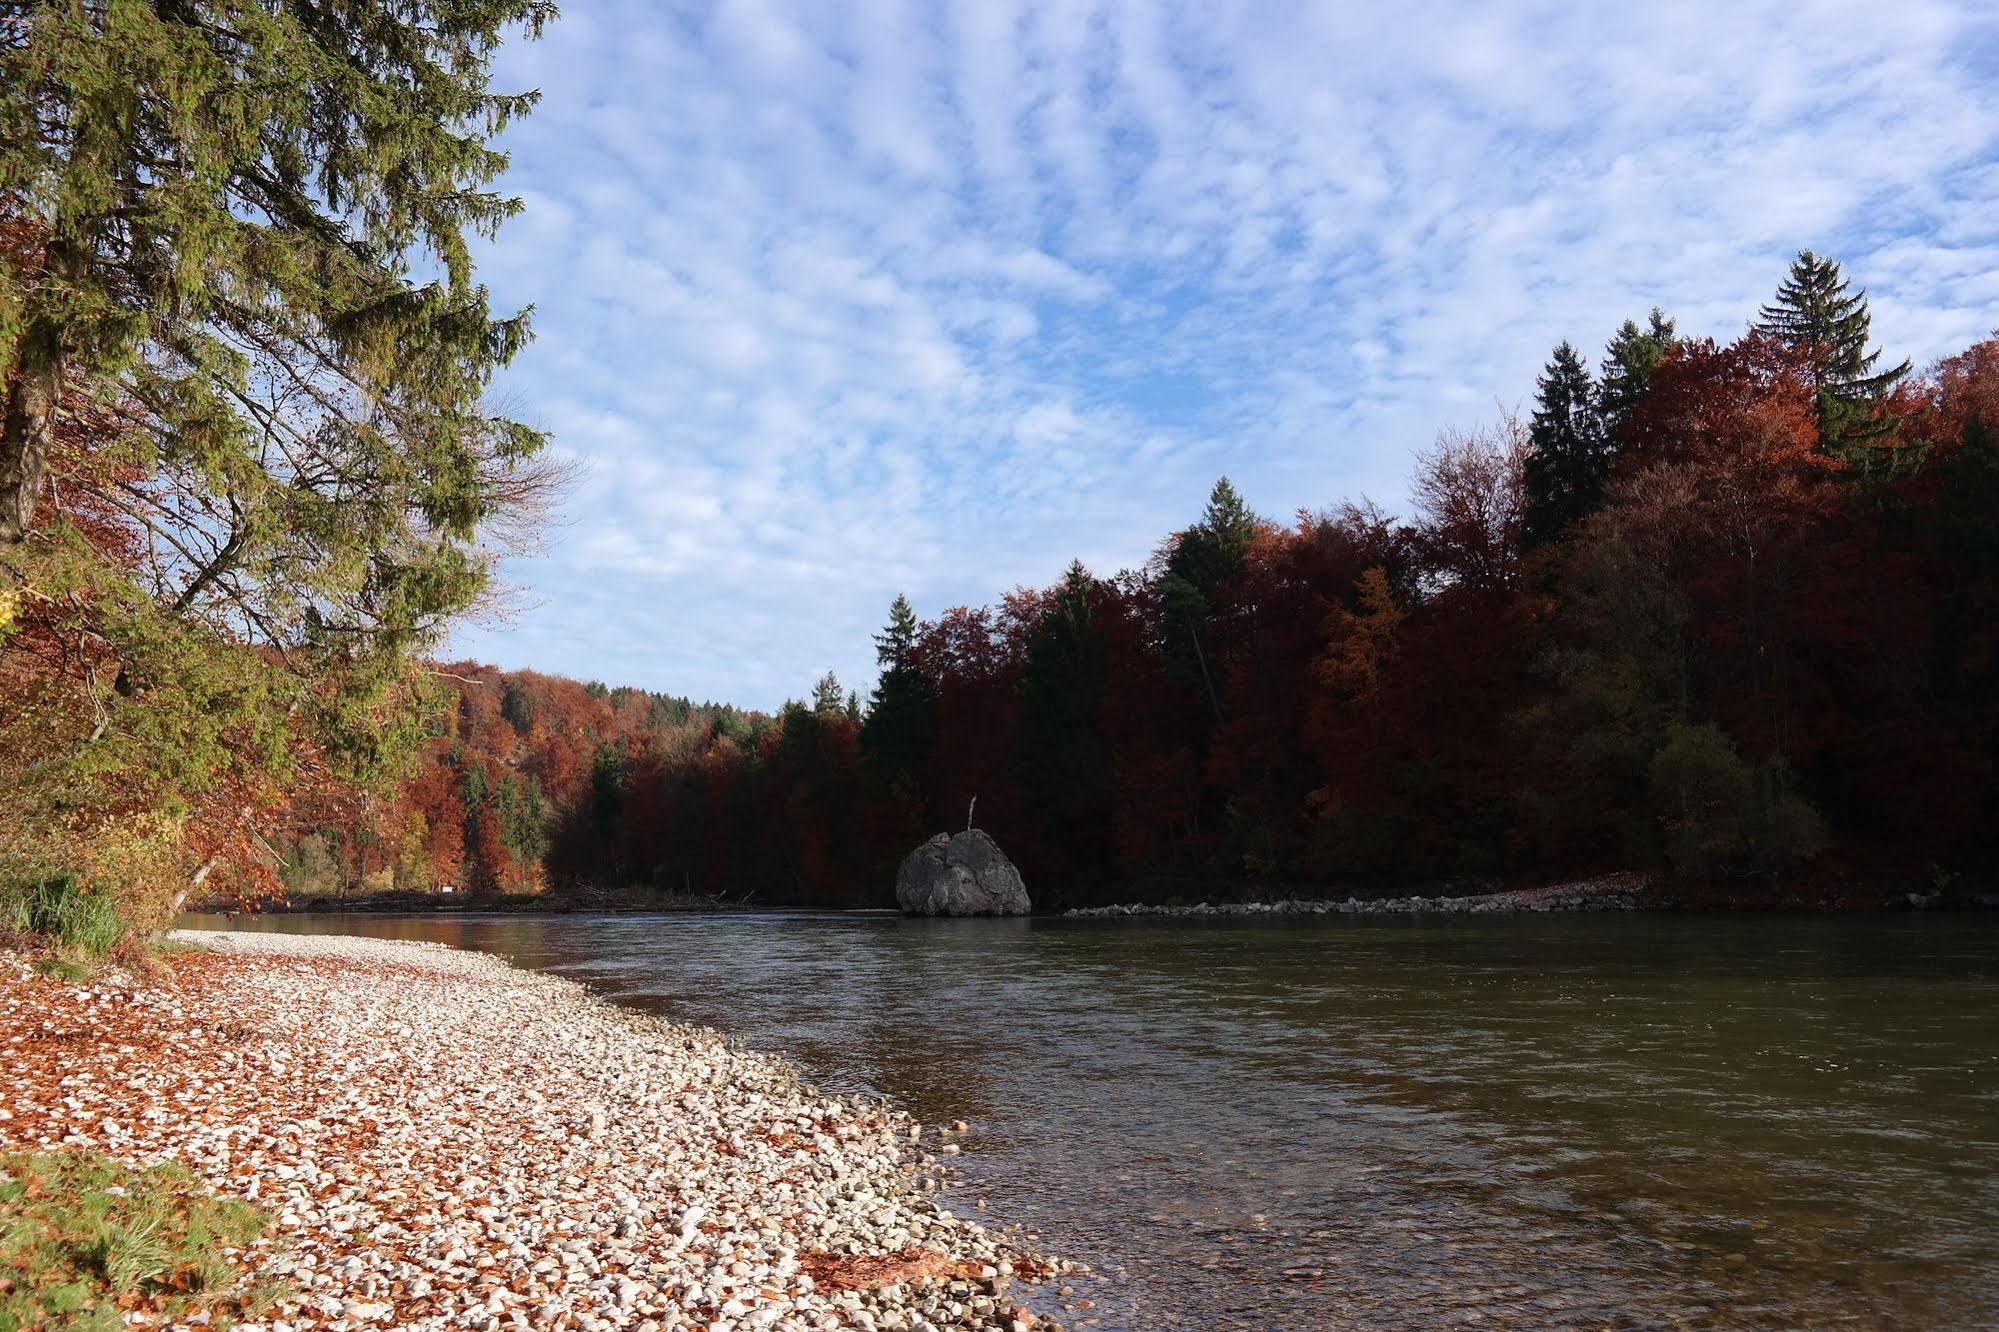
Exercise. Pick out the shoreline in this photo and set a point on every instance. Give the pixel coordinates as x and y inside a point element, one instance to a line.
<point>441,1139</point>
<point>1615,892</point>
<point>1627,890</point>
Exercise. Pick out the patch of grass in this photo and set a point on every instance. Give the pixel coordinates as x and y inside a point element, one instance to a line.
<point>78,926</point>
<point>66,967</point>
<point>84,1239</point>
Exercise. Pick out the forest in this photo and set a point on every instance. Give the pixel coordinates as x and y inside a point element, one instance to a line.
<point>1727,614</point>
<point>1724,613</point>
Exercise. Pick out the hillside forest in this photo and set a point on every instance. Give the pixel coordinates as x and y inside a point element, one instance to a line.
<point>1725,613</point>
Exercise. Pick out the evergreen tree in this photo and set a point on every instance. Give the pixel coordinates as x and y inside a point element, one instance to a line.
<point>895,738</point>
<point>1192,582</point>
<point>607,793</point>
<point>218,213</point>
<point>523,818</point>
<point>829,696</point>
<point>1568,457</point>
<point>1815,314</point>
<point>1627,368</point>
<point>1063,760</point>
<point>895,645</point>
<point>238,317</point>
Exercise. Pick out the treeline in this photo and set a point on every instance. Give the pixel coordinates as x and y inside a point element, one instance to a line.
<point>1726,612</point>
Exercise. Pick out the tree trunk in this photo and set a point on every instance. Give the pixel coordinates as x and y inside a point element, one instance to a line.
<point>28,426</point>
<point>195,881</point>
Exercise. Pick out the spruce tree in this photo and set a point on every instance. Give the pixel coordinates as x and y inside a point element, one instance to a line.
<point>895,737</point>
<point>1815,313</point>
<point>1063,759</point>
<point>237,306</point>
<point>829,696</point>
<point>1627,368</point>
<point>1568,457</point>
<point>1227,527</point>
<point>1192,581</point>
<point>249,225</point>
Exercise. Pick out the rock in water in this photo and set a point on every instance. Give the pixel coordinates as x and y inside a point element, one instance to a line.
<point>966,875</point>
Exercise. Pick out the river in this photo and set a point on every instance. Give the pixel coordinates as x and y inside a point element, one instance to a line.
<point>1517,1122</point>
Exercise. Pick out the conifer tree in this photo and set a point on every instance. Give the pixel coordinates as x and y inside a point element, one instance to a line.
<point>250,224</point>
<point>238,317</point>
<point>1627,368</point>
<point>1192,580</point>
<point>1063,761</point>
<point>1568,457</point>
<point>1227,526</point>
<point>895,737</point>
<point>829,696</point>
<point>1815,313</point>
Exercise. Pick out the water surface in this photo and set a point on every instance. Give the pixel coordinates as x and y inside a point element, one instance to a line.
<point>1543,1121</point>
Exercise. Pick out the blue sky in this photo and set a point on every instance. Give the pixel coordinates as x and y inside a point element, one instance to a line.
<point>837,300</point>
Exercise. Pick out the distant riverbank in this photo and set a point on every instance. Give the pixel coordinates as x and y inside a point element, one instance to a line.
<point>594,901</point>
<point>1608,892</point>
<point>442,1140</point>
<point>1620,892</point>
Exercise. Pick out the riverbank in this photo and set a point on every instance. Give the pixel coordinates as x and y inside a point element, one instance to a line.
<point>1617,892</point>
<point>593,901</point>
<point>442,1140</point>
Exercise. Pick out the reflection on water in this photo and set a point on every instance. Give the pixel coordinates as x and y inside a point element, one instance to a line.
<point>1542,1122</point>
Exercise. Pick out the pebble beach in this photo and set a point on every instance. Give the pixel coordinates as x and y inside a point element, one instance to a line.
<point>444,1141</point>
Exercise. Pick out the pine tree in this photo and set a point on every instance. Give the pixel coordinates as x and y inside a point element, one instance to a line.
<point>218,212</point>
<point>829,696</point>
<point>1627,368</point>
<point>1815,314</point>
<point>1227,526</point>
<point>895,645</point>
<point>1568,457</point>
<point>1064,762</point>
<point>895,737</point>
<point>1192,581</point>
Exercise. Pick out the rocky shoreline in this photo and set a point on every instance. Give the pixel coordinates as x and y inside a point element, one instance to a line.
<point>445,1141</point>
<point>1618,892</point>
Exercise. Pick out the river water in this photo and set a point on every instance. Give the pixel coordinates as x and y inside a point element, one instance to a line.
<point>1516,1122</point>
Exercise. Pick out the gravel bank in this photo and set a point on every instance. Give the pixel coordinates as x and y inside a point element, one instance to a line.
<point>445,1141</point>
<point>1618,892</point>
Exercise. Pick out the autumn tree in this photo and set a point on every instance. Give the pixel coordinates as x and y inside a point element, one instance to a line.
<point>1469,496</point>
<point>1815,313</point>
<point>1568,455</point>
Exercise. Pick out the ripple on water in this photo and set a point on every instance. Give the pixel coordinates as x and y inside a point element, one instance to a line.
<point>1546,1121</point>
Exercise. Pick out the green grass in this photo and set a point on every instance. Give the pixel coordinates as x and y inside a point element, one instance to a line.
<point>82,1238</point>
<point>79,926</point>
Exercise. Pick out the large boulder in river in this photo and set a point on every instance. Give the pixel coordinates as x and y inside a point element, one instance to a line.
<point>966,875</point>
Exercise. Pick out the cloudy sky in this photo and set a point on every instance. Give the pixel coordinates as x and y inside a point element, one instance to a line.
<point>841,298</point>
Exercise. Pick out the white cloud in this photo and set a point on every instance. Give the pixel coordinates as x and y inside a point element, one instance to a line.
<point>845,299</point>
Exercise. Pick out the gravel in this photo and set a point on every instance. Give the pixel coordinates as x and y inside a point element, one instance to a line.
<point>445,1141</point>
